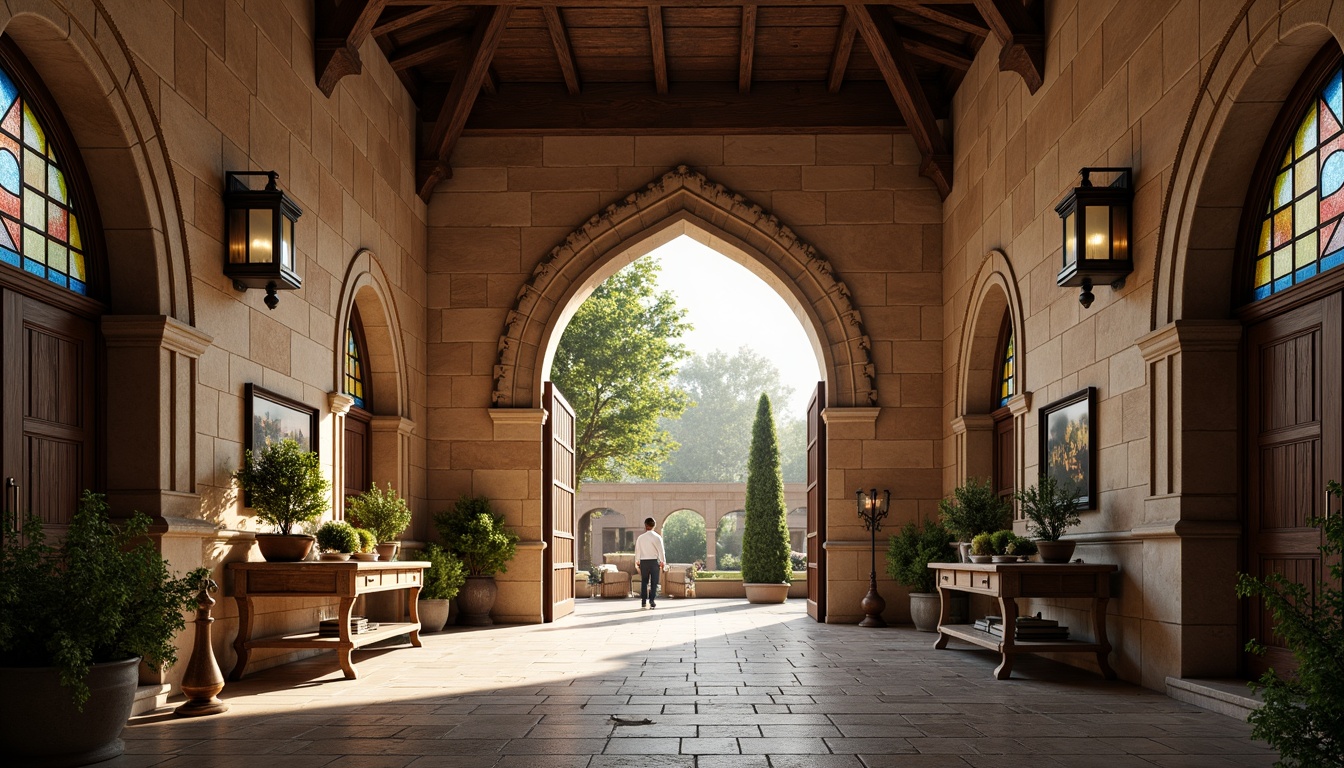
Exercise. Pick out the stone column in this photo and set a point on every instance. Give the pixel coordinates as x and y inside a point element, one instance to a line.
<point>711,541</point>
<point>340,404</point>
<point>847,542</point>
<point>973,434</point>
<point>390,450</point>
<point>1191,528</point>
<point>1023,441</point>
<point>510,473</point>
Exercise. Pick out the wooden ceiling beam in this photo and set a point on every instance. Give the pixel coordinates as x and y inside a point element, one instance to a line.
<point>657,39</point>
<point>884,42</point>
<point>560,41</point>
<point>844,46</point>
<point>425,50</point>
<point>634,108</point>
<point>341,30</point>
<point>936,49</point>
<point>748,49</point>
<point>948,17</point>
<point>398,21</point>
<point>461,96</point>
<point>1021,33</point>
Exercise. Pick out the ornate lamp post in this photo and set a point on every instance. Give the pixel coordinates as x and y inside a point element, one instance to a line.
<point>873,510</point>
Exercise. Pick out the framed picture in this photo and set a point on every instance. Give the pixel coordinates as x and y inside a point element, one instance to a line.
<point>1068,444</point>
<point>271,418</point>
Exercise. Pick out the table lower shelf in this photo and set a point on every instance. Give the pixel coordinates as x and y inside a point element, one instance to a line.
<point>313,640</point>
<point>995,642</point>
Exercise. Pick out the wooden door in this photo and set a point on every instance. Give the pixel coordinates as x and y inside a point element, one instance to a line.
<point>48,420</point>
<point>1004,469</point>
<point>558,514</point>
<point>1294,408</point>
<point>357,454</point>
<point>816,505</point>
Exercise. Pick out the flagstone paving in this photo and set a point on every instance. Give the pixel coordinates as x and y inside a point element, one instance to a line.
<point>726,684</point>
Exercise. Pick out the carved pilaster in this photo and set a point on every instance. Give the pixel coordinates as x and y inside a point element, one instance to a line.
<point>973,435</point>
<point>390,447</point>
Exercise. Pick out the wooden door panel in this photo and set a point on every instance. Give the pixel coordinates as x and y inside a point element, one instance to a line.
<point>357,454</point>
<point>558,498</point>
<point>54,477</point>
<point>1004,460</point>
<point>816,505</point>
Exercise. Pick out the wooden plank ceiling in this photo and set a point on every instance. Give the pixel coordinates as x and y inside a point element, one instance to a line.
<point>510,67</point>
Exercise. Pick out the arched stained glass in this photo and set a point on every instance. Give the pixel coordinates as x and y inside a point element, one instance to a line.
<point>1006,363</point>
<point>354,361</point>
<point>1300,235</point>
<point>40,232</point>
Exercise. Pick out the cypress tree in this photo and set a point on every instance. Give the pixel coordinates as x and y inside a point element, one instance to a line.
<point>765,539</point>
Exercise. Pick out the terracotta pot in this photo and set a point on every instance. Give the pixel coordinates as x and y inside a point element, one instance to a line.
<point>476,600</point>
<point>766,593</point>
<point>40,726</point>
<point>364,557</point>
<point>1055,551</point>
<point>284,548</point>
<point>387,551</point>
<point>925,607</point>
<point>433,615</point>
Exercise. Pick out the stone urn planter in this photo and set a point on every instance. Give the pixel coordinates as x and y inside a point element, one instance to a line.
<point>433,614</point>
<point>925,607</point>
<point>1055,551</point>
<point>388,550</point>
<point>766,593</point>
<point>476,600</point>
<point>284,548</point>
<point>40,726</point>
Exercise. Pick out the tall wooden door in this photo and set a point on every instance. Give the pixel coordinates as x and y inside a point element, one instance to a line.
<point>357,454</point>
<point>816,505</point>
<point>48,420</point>
<point>558,513</point>
<point>1004,461</point>
<point>1295,364</point>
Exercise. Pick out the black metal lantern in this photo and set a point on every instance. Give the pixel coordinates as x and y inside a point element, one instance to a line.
<point>260,234</point>
<point>1098,222</point>
<point>872,510</point>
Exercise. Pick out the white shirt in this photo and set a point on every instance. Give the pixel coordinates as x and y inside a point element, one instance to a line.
<point>649,546</point>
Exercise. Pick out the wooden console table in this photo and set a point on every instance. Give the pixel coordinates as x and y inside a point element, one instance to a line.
<point>345,580</point>
<point>1008,581</point>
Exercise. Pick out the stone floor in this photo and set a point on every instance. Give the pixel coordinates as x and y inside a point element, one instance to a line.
<point>726,684</point>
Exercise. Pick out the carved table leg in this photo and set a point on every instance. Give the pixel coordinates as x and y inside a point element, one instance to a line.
<point>347,646</point>
<point>244,634</point>
<point>944,611</point>
<point>1008,608</point>
<point>1099,630</point>
<point>415,616</point>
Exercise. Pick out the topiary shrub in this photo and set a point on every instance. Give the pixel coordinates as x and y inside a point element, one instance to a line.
<point>765,538</point>
<point>472,531</point>
<point>337,536</point>
<point>1000,540</point>
<point>910,552</point>
<point>445,575</point>
<point>982,545</point>
<point>973,509</point>
<point>284,484</point>
<point>367,541</point>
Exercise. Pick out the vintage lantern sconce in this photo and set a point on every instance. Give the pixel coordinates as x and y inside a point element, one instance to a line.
<point>1098,222</point>
<point>260,235</point>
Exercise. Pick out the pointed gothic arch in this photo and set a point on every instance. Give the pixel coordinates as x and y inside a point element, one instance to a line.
<point>685,202</point>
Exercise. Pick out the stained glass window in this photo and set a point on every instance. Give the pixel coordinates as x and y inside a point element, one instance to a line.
<point>1300,236</point>
<point>40,232</point>
<point>354,361</point>
<point>1006,367</point>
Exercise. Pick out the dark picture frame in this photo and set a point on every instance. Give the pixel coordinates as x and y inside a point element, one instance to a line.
<point>1068,444</point>
<point>269,417</point>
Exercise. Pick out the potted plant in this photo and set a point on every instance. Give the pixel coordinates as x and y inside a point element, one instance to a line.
<point>766,570</point>
<point>367,542</point>
<point>1050,511</point>
<point>385,514</point>
<point>284,484</point>
<point>443,578</point>
<point>1022,547</point>
<point>973,509</point>
<point>1001,541</point>
<point>908,556</point>
<point>982,548</point>
<point>337,539</point>
<point>76,619</point>
<point>476,534</point>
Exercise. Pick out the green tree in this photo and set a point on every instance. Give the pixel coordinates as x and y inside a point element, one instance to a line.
<point>728,539</point>
<point>684,537</point>
<point>765,540</point>
<point>714,433</point>
<point>615,364</point>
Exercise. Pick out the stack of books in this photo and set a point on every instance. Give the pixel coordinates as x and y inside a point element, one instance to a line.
<point>332,627</point>
<point>1028,628</point>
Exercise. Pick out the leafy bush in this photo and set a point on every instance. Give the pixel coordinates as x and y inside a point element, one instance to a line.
<point>910,552</point>
<point>445,575</point>
<point>284,484</point>
<point>684,537</point>
<point>1021,546</point>
<point>765,538</point>
<point>1303,714</point>
<point>337,536</point>
<point>103,594</point>
<point>367,541</point>
<point>1050,509</point>
<point>730,562</point>
<point>474,532</point>
<point>798,561</point>
<point>1001,540</point>
<point>383,513</point>
<point>973,509</point>
<point>982,545</point>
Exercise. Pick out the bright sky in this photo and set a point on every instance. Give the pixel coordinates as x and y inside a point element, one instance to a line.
<point>732,308</point>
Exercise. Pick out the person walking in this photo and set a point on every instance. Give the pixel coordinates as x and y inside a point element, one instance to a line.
<point>652,557</point>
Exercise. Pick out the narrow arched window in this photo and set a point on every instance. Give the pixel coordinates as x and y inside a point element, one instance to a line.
<point>356,358</point>
<point>41,232</point>
<point>1006,359</point>
<point>1301,191</point>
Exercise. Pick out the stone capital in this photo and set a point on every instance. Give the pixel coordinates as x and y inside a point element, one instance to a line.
<point>1188,336</point>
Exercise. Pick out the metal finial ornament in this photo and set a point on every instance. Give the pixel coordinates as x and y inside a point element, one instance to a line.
<point>203,680</point>
<point>873,510</point>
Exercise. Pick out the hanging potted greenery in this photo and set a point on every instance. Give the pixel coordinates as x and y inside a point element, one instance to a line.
<point>973,509</point>
<point>1050,511</point>
<point>766,568</point>
<point>443,579</point>
<point>473,532</point>
<point>284,484</point>
<point>75,621</point>
<point>385,514</point>
<point>908,556</point>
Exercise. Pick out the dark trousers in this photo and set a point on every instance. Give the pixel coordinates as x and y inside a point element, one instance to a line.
<point>648,581</point>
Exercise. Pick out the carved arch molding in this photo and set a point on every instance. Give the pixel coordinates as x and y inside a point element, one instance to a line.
<point>542,301</point>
